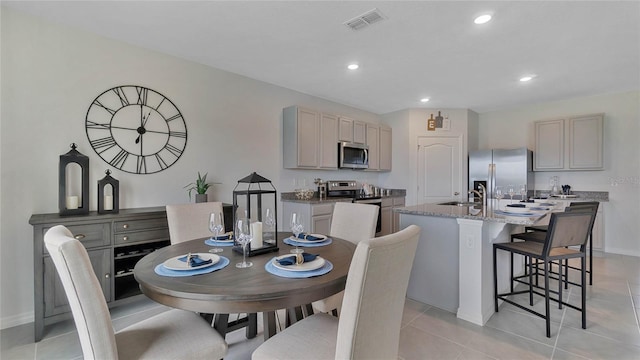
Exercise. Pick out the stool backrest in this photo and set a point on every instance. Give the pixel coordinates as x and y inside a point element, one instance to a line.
<point>570,228</point>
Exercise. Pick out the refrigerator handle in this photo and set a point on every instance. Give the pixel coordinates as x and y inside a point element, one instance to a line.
<point>492,181</point>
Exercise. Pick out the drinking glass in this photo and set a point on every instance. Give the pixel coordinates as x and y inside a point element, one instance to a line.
<point>269,223</point>
<point>523,192</point>
<point>216,224</point>
<point>499,195</point>
<point>244,237</point>
<point>512,191</point>
<point>297,227</point>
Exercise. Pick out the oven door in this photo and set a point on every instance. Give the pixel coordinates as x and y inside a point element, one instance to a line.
<point>378,203</point>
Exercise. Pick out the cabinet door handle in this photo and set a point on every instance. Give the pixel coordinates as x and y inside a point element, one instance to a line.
<point>125,238</point>
<point>80,236</point>
<point>125,226</point>
<point>107,275</point>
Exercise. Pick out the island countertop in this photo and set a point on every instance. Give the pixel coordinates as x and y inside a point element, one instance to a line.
<point>485,213</point>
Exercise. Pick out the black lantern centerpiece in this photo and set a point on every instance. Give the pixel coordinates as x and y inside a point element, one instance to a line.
<point>108,204</point>
<point>257,198</point>
<point>70,202</point>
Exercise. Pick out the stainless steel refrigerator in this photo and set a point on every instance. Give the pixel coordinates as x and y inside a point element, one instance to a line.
<point>501,167</point>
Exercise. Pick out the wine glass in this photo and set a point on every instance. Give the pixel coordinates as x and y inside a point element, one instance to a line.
<point>297,227</point>
<point>269,223</point>
<point>216,224</point>
<point>511,190</point>
<point>499,195</point>
<point>244,237</point>
<point>523,192</point>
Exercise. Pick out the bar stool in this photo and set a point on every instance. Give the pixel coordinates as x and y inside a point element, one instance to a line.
<point>565,229</point>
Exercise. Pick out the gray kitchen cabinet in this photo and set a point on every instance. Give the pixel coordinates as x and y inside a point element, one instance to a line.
<point>373,141</point>
<point>398,201</point>
<point>385,148</point>
<point>352,131</point>
<point>316,216</point>
<point>114,242</point>
<point>386,216</point>
<point>310,139</point>
<point>570,144</point>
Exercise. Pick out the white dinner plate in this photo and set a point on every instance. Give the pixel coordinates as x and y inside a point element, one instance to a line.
<point>317,263</point>
<point>321,237</point>
<point>175,264</point>
<point>517,210</point>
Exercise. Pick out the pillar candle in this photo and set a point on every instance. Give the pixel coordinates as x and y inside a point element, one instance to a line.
<point>256,231</point>
<point>72,202</point>
<point>108,202</point>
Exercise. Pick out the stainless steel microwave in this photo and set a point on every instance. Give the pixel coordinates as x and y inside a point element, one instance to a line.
<point>353,156</point>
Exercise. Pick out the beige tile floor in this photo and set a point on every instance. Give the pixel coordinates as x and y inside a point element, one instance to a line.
<point>430,333</point>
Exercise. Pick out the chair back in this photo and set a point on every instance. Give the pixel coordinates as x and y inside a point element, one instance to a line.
<point>570,228</point>
<point>374,297</point>
<point>354,222</point>
<point>585,204</point>
<point>89,308</point>
<point>191,221</point>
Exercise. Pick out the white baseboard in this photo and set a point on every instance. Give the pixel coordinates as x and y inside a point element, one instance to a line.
<point>15,320</point>
<point>621,251</point>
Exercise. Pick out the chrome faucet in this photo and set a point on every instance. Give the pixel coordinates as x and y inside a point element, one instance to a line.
<point>481,194</point>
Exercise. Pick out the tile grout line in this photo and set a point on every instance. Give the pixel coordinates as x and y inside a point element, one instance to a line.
<point>564,312</point>
<point>635,312</point>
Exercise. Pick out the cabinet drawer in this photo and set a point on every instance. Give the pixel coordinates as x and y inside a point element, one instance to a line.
<point>324,209</point>
<point>140,236</point>
<point>90,235</point>
<point>136,225</point>
<point>398,201</point>
<point>387,202</point>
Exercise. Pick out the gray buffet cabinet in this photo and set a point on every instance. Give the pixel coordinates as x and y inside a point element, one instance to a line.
<point>115,243</point>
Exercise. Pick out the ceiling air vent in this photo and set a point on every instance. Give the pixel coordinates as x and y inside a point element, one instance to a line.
<point>364,20</point>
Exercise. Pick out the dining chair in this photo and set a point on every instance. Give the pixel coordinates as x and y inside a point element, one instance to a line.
<point>190,222</point>
<point>352,222</point>
<point>172,334</point>
<point>575,206</point>
<point>374,296</point>
<point>565,230</point>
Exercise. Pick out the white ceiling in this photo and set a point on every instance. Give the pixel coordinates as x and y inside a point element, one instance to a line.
<point>422,48</point>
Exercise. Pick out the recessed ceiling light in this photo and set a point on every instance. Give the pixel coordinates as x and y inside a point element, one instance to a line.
<point>353,66</point>
<point>527,78</point>
<point>424,100</point>
<point>482,19</point>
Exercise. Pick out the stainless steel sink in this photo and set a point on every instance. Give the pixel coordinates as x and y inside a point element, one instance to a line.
<point>460,203</point>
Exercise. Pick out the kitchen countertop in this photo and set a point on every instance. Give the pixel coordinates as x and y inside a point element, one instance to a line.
<point>466,212</point>
<point>291,197</point>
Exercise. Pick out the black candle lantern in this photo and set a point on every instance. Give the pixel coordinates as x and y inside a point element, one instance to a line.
<point>258,199</point>
<point>108,204</point>
<point>69,202</point>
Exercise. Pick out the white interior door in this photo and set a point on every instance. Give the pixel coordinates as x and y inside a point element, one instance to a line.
<point>439,169</point>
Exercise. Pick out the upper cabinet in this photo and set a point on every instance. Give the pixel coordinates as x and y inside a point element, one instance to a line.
<point>385,148</point>
<point>310,139</point>
<point>568,144</point>
<point>353,131</point>
<point>373,141</point>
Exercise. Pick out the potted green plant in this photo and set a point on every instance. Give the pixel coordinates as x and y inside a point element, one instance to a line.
<point>200,186</point>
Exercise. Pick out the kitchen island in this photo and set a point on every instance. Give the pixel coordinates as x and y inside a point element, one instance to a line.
<point>453,266</point>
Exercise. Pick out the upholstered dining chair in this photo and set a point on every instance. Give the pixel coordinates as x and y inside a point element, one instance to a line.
<point>352,222</point>
<point>173,334</point>
<point>374,296</point>
<point>190,222</point>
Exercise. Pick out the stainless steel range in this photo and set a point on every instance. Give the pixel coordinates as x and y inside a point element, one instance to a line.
<point>350,189</point>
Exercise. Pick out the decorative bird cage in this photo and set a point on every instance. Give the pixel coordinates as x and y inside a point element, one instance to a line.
<point>254,197</point>
<point>73,193</point>
<point>108,204</point>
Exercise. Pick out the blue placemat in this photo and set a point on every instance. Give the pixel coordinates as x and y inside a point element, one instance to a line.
<point>500,212</point>
<point>272,269</point>
<point>163,271</point>
<point>292,242</point>
<point>212,242</point>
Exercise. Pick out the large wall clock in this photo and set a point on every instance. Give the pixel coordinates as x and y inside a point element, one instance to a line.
<point>136,129</point>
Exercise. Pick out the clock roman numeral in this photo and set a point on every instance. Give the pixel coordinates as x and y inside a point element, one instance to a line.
<point>176,116</point>
<point>142,95</point>
<point>119,159</point>
<point>174,150</point>
<point>121,95</point>
<point>95,125</point>
<point>180,134</point>
<point>105,142</point>
<point>161,162</point>
<point>161,101</point>
<point>98,103</point>
<point>142,165</point>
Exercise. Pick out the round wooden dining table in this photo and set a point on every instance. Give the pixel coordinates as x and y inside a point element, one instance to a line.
<point>243,290</point>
